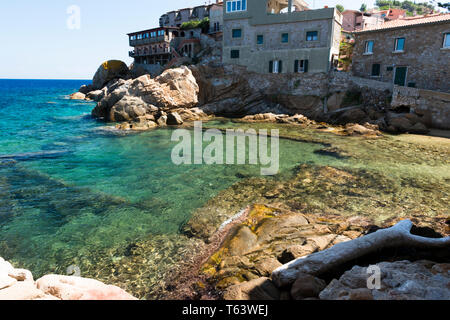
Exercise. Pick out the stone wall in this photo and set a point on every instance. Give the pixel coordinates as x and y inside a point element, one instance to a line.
<point>256,57</point>
<point>427,62</point>
<point>433,106</point>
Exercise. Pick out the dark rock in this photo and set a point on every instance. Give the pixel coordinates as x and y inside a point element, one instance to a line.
<point>174,119</point>
<point>109,70</point>
<point>258,289</point>
<point>307,286</point>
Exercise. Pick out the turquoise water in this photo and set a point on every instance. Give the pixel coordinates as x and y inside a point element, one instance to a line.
<point>87,188</point>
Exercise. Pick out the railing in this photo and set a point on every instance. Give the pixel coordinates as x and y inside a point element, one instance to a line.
<point>215,29</point>
<point>140,42</point>
<point>149,53</point>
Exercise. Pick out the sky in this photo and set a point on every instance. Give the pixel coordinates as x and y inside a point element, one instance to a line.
<point>45,39</point>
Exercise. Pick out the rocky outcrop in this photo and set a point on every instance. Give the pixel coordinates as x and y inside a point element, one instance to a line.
<point>232,91</point>
<point>18,284</point>
<point>400,280</point>
<point>109,70</point>
<point>130,100</point>
<point>267,236</point>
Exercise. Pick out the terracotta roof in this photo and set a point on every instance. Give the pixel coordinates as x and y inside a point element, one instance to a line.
<point>411,22</point>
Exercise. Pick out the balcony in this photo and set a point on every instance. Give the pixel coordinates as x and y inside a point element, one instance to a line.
<point>140,42</point>
<point>145,53</point>
<point>215,29</point>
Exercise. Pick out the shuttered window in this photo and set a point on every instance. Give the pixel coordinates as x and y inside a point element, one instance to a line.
<point>276,66</point>
<point>234,54</point>
<point>376,70</point>
<point>301,66</point>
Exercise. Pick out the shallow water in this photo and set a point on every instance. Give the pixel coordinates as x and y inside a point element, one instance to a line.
<point>73,191</point>
<point>81,188</point>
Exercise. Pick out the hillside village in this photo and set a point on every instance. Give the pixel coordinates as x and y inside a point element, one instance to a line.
<point>266,39</point>
<point>384,68</point>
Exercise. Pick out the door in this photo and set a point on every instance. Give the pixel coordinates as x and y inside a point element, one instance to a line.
<point>400,76</point>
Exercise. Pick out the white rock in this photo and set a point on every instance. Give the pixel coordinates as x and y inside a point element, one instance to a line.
<point>76,288</point>
<point>22,291</point>
<point>6,281</point>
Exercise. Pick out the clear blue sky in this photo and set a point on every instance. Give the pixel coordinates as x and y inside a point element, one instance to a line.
<point>37,44</point>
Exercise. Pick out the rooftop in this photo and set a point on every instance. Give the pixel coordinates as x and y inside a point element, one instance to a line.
<point>411,22</point>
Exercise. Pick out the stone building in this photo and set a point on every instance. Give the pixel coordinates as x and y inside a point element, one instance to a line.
<point>412,52</point>
<point>280,36</point>
<point>354,20</point>
<point>153,46</point>
<point>178,17</point>
<point>160,46</point>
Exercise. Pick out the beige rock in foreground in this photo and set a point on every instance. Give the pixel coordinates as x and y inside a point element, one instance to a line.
<point>76,288</point>
<point>18,284</point>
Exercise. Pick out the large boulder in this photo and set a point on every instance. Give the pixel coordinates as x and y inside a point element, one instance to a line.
<point>109,70</point>
<point>127,100</point>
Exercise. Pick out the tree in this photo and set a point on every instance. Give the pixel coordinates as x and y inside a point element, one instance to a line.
<point>340,7</point>
<point>363,7</point>
<point>444,5</point>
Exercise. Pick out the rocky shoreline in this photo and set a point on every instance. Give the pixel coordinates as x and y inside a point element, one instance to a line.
<point>279,227</point>
<point>204,91</point>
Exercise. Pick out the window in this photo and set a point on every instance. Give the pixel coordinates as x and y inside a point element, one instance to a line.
<point>312,36</point>
<point>236,5</point>
<point>447,40</point>
<point>260,39</point>
<point>301,66</point>
<point>399,44</point>
<point>276,66</point>
<point>234,54</point>
<point>369,47</point>
<point>376,70</point>
<point>285,38</point>
<point>237,33</point>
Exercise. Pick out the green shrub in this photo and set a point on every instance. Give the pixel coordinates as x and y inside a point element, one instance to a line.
<point>203,24</point>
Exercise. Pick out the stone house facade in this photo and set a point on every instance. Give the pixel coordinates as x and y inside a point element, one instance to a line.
<point>177,17</point>
<point>355,20</point>
<point>280,36</point>
<point>411,52</point>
